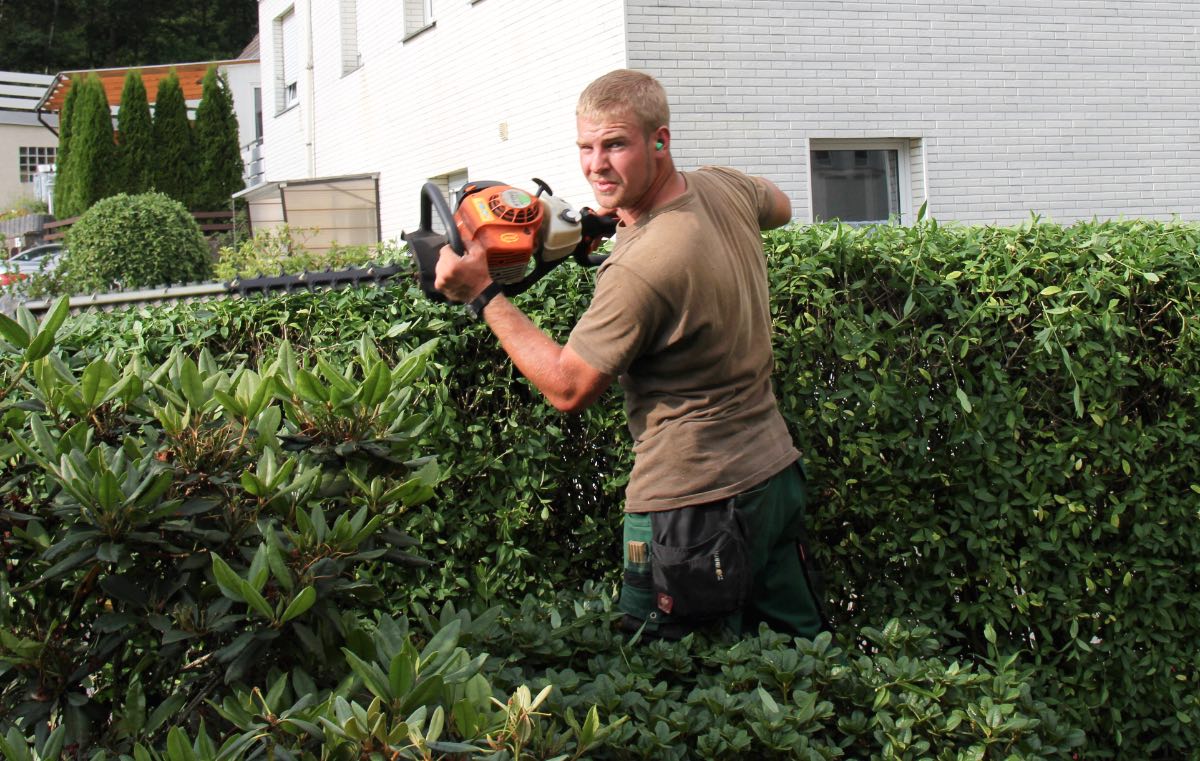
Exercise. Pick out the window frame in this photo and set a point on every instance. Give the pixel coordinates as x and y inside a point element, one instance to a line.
<point>417,23</point>
<point>351,50</point>
<point>287,94</point>
<point>903,147</point>
<point>30,157</point>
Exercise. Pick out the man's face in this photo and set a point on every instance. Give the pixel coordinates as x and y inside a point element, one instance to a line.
<point>616,158</point>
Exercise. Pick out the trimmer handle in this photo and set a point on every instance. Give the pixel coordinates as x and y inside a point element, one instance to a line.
<point>596,229</point>
<point>426,244</point>
<point>431,198</point>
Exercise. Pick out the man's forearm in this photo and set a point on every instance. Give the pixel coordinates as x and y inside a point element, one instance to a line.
<point>542,360</point>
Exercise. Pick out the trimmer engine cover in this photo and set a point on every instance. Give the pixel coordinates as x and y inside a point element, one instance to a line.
<point>507,221</point>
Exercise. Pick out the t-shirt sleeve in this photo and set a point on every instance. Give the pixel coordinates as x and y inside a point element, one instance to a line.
<point>621,323</point>
<point>755,190</point>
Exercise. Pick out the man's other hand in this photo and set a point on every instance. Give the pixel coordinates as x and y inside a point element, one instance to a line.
<point>462,278</point>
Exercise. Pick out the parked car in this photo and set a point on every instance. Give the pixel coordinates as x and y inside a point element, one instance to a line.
<point>41,258</point>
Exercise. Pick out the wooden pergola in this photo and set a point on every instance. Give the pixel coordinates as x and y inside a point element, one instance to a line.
<point>191,75</point>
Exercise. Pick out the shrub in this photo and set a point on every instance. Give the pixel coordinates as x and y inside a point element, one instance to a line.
<point>174,144</point>
<point>1000,423</point>
<point>141,240</point>
<point>193,550</point>
<point>92,154</point>
<point>282,250</point>
<point>218,152</point>
<point>64,184</point>
<point>23,206</point>
<point>136,146</point>
<point>169,531</point>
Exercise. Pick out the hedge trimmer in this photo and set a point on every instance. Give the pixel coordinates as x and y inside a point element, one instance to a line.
<point>516,229</point>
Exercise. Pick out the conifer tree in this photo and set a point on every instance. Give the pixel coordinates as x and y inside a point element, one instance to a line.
<point>218,150</point>
<point>62,169</point>
<point>174,157</point>
<point>135,143</point>
<point>93,150</point>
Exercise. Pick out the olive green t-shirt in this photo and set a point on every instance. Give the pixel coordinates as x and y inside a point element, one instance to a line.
<point>680,314</point>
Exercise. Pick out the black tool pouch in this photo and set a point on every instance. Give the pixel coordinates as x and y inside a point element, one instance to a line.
<point>701,562</point>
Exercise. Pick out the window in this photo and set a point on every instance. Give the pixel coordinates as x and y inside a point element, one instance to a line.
<point>258,120</point>
<point>351,55</point>
<point>859,182</point>
<point>287,60</point>
<point>28,160</point>
<point>418,16</point>
<point>450,185</point>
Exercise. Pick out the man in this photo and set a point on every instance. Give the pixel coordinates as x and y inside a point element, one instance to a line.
<point>715,502</point>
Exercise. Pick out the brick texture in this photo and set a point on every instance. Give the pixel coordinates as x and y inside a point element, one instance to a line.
<point>1067,108</point>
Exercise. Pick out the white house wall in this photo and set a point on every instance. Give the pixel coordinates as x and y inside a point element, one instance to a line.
<point>243,79</point>
<point>19,130</point>
<point>490,88</point>
<point>1070,108</point>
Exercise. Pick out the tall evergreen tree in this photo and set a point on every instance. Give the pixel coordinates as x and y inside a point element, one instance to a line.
<point>218,151</point>
<point>93,150</point>
<point>135,137</point>
<point>63,185</point>
<point>174,157</point>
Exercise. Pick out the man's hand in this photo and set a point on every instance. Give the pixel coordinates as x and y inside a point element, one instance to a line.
<point>462,278</point>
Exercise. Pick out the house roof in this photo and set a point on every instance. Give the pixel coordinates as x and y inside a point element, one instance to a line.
<point>251,49</point>
<point>19,92</point>
<point>190,77</point>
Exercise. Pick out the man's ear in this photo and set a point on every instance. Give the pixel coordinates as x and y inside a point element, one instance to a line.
<point>662,138</point>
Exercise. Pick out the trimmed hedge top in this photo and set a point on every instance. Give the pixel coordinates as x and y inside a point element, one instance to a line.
<point>134,241</point>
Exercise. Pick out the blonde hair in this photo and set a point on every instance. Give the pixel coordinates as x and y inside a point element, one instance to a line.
<point>626,91</point>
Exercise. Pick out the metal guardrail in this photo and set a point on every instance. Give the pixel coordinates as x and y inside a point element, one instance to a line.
<point>369,275</point>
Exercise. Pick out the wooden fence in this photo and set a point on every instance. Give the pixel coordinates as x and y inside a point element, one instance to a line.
<point>211,222</point>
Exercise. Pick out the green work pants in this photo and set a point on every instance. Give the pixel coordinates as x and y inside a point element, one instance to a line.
<point>784,592</point>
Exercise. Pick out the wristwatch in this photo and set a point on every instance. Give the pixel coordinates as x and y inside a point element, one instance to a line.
<point>493,290</point>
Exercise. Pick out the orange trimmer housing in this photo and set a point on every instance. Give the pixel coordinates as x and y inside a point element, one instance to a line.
<point>506,221</point>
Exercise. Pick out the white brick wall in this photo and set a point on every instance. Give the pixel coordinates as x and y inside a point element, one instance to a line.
<point>435,104</point>
<point>1070,108</point>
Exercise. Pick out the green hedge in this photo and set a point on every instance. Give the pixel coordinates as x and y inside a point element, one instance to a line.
<point>133,241</point>
<point>1004,423</point>
<point>190,547</point>
<point>1001,422</point>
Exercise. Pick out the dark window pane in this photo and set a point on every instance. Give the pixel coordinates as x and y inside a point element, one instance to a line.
<point>856,185</point>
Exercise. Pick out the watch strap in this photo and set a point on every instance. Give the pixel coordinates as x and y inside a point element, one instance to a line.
<point>476,307</point>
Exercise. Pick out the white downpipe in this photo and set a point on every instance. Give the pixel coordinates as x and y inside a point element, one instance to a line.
<point>310,106</point>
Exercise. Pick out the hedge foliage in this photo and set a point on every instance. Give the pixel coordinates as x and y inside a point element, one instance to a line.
<point>283,250</point>
<point>135,143</point>
<point>1002,423</point>
<point>174,144</point>
<point>218,150</point>
<point>133,241</point>
<point>188,547</point>
<point>88,168</point>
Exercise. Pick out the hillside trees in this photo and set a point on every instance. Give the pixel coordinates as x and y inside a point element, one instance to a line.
<point>68,35</point>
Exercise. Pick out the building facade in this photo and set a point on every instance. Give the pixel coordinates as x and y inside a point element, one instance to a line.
<point>862,111</point>
<point>25,143</point>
